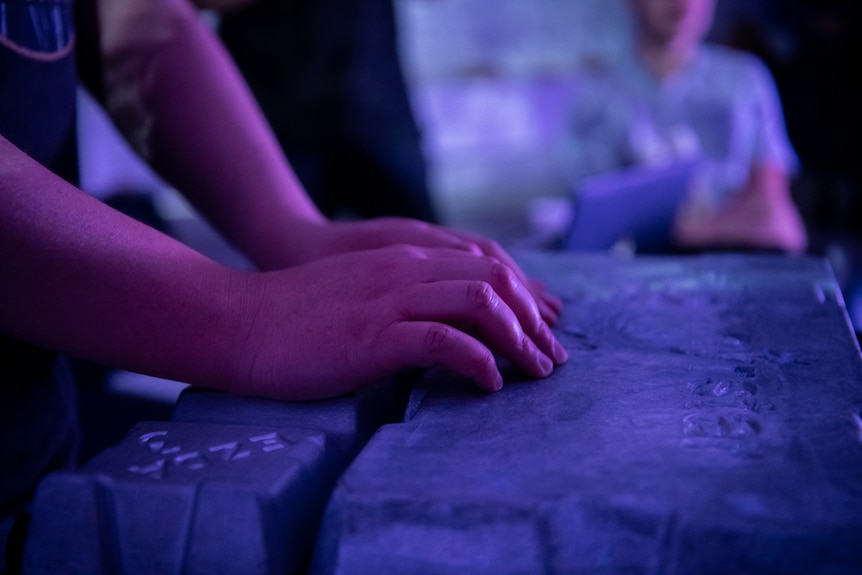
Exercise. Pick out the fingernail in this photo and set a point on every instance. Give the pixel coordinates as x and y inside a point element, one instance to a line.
<point>498,382</point>
<point>560,353</point>
<point>545,364</point>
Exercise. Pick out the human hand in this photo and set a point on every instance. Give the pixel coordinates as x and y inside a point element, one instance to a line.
<point>330,326</point>
<point>323,239</point>
<point>749,221</point>
<point>761,215</point>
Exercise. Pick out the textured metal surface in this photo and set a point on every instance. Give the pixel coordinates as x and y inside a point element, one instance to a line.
<point>183,498</point>
<point>231,485</point>
<point>348,422</point>
<point>708,421</point>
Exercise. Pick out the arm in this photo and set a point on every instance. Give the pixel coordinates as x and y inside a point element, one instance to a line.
<point>219,151</point>
<point>761,216</point>
<point>82,278</point>
<point>174,92</point>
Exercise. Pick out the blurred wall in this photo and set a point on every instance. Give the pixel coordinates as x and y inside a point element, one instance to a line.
<point>490,79</point>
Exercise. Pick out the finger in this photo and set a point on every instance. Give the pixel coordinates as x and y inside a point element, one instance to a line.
<point>425,344</point>
<point>548,304</point>
<point>475,304</point>
<point>432,236</point>
<point>506,284</point>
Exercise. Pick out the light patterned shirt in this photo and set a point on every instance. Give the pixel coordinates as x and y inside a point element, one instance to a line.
<point>723,108</point>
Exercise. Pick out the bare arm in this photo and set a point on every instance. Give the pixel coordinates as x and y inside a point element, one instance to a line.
<point>762,215</point>
<point>179,98</point>
<point>82,278</point>
<point>175,93</point>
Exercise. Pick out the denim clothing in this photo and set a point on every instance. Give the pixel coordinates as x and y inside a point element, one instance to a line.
<point>38,410</point>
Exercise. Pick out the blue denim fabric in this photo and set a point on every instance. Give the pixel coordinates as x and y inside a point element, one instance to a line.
<point>38,415</point>
<point>38,81</point>
<point>41,26</point>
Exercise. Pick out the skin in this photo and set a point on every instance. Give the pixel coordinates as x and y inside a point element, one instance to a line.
<point>669,32</point>
<point>762,215</point>
<point>335,305</point>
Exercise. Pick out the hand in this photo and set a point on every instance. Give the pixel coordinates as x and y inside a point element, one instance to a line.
<point>330,326</point>
<point>761,215</point>
<point>746,222</point>
<point>329,238</point>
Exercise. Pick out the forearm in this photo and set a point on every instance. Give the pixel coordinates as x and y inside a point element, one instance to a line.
<point>84,279</point>
<point>766,212</point>
<point>762,215</point>
<point>79,277</point>
<point>174,89</point>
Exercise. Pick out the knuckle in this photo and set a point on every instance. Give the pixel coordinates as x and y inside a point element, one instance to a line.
<point>437,337</point>
<point>525,344</point>
<point>503,274</point>
<point>475,249</point>
<point>491,246</point>
<point>481,295</point>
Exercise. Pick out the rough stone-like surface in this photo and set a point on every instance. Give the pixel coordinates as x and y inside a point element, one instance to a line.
<point>348,422</point>
<point>183,498</point>
<point>231,485</point>
<point>709,420</point>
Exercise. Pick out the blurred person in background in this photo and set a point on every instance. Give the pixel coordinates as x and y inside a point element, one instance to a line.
<point>677,98</point>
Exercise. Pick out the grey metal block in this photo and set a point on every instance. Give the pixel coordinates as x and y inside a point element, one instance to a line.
<point>165,500</point>
<point>347,421</point>
<point>709,420</point>
<point>184,498</point>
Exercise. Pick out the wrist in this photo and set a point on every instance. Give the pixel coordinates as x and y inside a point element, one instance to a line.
<point>293,241</point>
